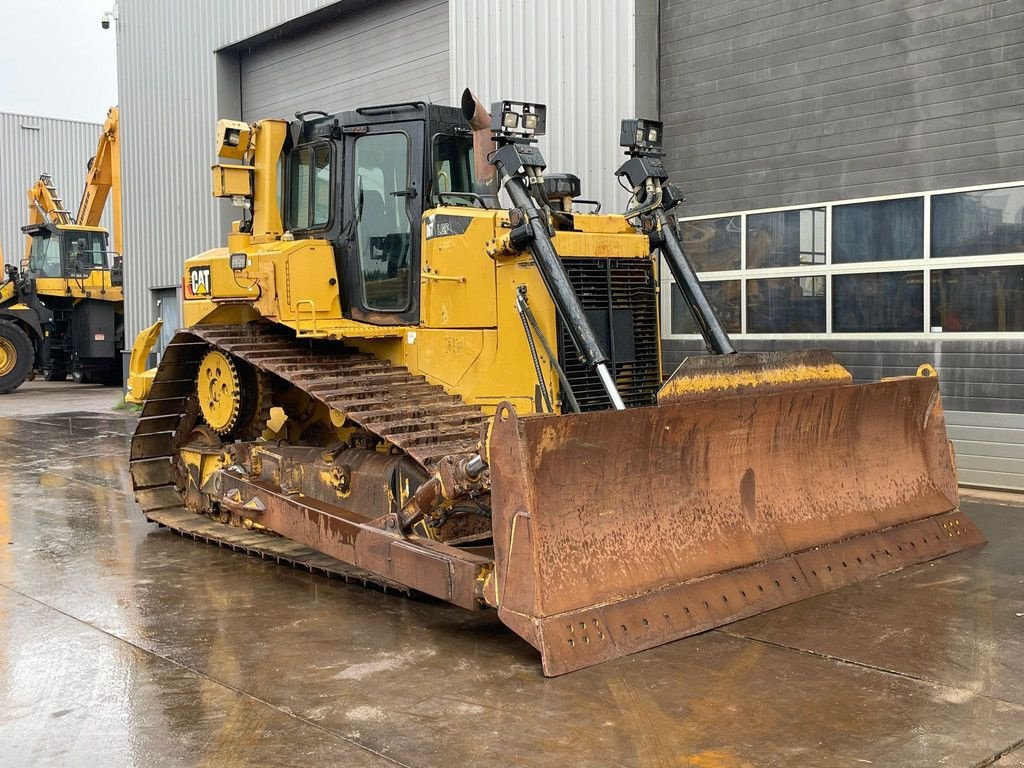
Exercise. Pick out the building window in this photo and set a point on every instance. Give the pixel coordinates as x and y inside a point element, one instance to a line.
<point>786,238</point>
<point>978,223</point>
<point>888,302</point>
<point>725,300</point>
<point>786,305</point>
<point>976,300</point>
<point>949,261</point>
<point>886,230</point>
<point>713,245</point>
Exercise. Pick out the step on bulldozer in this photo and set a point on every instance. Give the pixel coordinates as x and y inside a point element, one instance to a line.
<point>424,363</point>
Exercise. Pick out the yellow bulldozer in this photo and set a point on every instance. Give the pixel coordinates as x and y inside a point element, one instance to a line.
<point>422,361</point>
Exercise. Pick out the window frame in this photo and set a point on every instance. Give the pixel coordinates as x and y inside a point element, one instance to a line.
<point>332,185</point>
<point>413,223</point>
<point>925,265</point>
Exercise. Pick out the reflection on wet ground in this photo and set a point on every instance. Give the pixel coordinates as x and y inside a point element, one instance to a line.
<point>122,644</point>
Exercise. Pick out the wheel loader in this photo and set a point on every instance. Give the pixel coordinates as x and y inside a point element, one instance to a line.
<point>62,312</point>
<point>423,362</point>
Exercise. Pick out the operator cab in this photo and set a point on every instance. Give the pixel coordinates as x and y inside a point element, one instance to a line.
<point>363,180</point>
<point>68,253</point>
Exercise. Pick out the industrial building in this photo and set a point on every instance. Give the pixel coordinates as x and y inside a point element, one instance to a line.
<point>855,175</point>
<point>33,145</point>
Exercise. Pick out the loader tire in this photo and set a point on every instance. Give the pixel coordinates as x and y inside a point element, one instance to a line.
<point>16,357</point>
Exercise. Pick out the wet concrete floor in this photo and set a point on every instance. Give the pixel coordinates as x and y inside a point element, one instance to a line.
<point>122,644</point>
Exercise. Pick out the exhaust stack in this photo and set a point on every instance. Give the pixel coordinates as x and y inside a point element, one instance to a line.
<point>479,120</point>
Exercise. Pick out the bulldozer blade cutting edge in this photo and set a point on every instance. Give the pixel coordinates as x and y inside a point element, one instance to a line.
<point>618,531</point>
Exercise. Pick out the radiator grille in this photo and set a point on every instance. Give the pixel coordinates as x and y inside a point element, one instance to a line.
<point>619,298</point>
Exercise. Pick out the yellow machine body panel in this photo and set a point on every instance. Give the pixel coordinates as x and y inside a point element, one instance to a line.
<point>470,338</point>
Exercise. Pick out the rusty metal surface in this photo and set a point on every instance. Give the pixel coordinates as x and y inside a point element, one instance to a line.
<point>266,546</point>
<point>577,639</point>
<point>429,567</point>
<point>599,510</point>
<point>373,393</point>
<point>612,524</point>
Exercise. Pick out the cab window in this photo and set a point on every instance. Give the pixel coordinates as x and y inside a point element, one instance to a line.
<point>44,257</point>
<point>309,188</point>
<point>85,251</point>
<point>453,165</point>
<point>383,232</point>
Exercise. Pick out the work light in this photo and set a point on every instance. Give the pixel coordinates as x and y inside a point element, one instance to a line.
<point>510,119</point>
<point>641,136</point>
<point>238,261</point>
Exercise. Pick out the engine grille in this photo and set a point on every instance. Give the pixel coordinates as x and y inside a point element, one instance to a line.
<point>619,298</point>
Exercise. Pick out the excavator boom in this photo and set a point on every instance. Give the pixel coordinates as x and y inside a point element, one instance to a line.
<point>104,176</point>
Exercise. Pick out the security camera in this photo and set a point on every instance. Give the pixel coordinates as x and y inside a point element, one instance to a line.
<point>109,17</point>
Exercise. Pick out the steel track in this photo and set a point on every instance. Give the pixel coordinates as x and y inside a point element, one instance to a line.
<point>387,401</point>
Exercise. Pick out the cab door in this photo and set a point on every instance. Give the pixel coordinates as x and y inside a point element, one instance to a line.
<point>381,250</point>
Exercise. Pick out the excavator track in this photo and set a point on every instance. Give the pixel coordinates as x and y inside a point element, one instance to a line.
<point>417,418</point>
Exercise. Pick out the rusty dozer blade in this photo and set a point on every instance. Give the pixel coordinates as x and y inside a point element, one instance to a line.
<point>618,531</point>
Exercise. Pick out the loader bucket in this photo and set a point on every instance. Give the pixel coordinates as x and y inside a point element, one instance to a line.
<point>618,531</point>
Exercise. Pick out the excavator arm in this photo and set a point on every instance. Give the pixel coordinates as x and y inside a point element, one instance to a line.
<point>104,175</point>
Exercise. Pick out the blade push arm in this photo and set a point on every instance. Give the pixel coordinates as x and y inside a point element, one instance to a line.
<point>517,160</point>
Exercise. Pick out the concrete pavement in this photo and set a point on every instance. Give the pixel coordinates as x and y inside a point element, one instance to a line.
<point>123,644</point>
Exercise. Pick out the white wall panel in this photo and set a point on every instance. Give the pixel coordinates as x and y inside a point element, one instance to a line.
<point>575,56</point>
<point>30,146</point>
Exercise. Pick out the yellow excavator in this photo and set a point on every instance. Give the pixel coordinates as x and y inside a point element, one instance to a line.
<point>62,312</point>
<point>424,362</point>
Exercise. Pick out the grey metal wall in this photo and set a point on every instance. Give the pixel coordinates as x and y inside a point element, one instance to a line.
<point>790,101</point>
<point>383,53</point>
<point>32,145</point>
<point>575,56</point>
<point>980,381</point>
<point>167,81</point>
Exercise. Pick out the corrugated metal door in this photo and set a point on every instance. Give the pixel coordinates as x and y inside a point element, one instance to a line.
<point>387,52</point>
<point>989,448</point>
